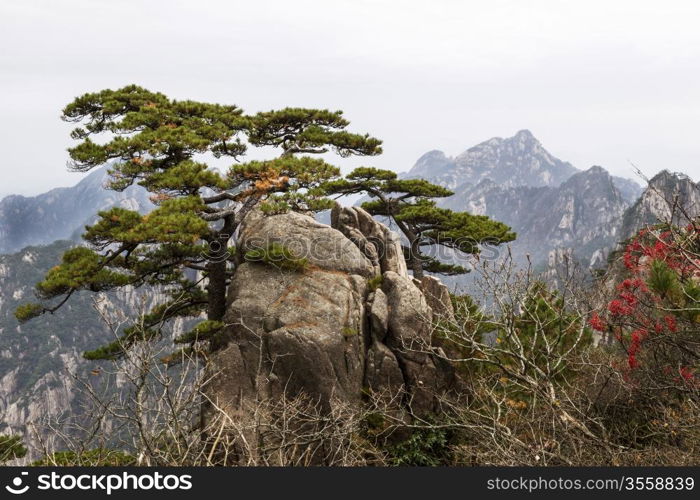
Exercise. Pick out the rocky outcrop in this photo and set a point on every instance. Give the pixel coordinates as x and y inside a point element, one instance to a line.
<point>323,246</point>
<point>378,314</point>
<point>376,241</point>
<point>295,333</point>
<point>438,297</point>
<point>669,197</point>
<point>410,328</point>
<point>352,320</point>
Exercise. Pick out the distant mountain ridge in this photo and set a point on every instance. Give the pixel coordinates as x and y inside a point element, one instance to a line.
<point>552,205</point>
<point>520,160</point>
<point>59,213</point>
<point>583,214</point>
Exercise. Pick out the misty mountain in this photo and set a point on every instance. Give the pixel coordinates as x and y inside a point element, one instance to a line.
<point>583,214</point>
<point>61,213</point>
<point>520,160</point>
<point>515,161</point>
<point>552,205</point>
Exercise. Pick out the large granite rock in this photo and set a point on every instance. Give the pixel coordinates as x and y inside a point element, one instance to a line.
<point>322,245</point>
<point>322,332</point>
<point>409,337</point>
<point>379,315</point>
<point>294,333</point>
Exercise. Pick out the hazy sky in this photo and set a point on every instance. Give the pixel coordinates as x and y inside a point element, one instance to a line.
<point>598,82</point>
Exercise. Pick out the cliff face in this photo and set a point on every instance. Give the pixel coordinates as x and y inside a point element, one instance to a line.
<point>326,331</point>
<point>582,214</point>
<point>40,360</point>
<point>35,358</point>
<point>669,197</point>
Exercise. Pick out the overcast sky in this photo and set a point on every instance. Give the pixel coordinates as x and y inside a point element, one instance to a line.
<point>598,82</point>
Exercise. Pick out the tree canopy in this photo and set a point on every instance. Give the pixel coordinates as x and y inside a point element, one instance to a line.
<point>411,204</point>
<point>183,245</point>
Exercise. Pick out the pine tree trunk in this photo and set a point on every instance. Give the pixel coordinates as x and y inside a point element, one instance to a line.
<point>217,290</point>
<point>217,270</point>
<point>414,259</point>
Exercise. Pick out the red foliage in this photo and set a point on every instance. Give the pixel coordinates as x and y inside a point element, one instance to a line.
<point>619,308</point>
<point>687,373</point>
<point>671,323</point>
<point>597,323</point>
<point>635,342</point>
<point>637,314</point>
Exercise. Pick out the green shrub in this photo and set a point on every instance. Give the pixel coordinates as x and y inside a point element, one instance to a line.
<point>376,282</point>
<point>203,331</point>
<point>279,256</point>
<point>423,448</point>
<point>91,458</point>
<point>25,312</point>
<point>349,332</point>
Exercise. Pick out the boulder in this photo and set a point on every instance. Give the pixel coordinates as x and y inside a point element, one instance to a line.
<point>379,316</point>
<point>383,374</point>
<point>438,297</point>
<point>409,337</point>
<point>378,243</point>
<point>295,333</point>
<point>321,332</point>
<point>320,244</point>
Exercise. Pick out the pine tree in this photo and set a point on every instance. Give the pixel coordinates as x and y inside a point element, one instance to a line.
<point>410,203</point>
<point>158,143</point>
<point>542,331</point>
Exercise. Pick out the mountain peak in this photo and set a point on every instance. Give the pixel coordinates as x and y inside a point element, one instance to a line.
<point>525,135</point>
<point>433,153</point>
<point>597,169</point>
<point>670,197</point>
<point>519,160</point>
<point>430,164</point>
<point>666,175</point>
<point>594,180</point>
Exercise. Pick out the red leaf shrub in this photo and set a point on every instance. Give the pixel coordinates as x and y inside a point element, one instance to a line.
<point>655,311</point>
